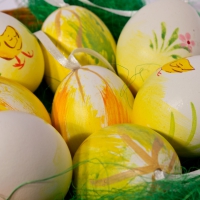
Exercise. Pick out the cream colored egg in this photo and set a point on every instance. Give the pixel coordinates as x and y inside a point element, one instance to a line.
<point>34,159</point>
<point>21,57</point>
<point>119,159</point>
<point>160,32</point>
<point>14,96</point>
<point>168,102</point>
<point>75,27</point>
<point>89,98</point>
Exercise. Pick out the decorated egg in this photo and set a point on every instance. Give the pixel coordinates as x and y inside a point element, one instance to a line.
<point>121,158</point>
<point>168,102</point>
<point>88,99</point>
<point>14,96</point>
<point>35,160</point>
<point>21,57</point>
<point>74,27</point>
<point>160,32</point>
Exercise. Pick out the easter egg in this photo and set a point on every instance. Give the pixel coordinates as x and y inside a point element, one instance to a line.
<point>88,99</point>
<point>74,27</point>
<point>168,102</point>
<point>14,96</point>
<point>119,158</point>
<point>160,32</point>
<point>35,160</point>
<point>21,57</point>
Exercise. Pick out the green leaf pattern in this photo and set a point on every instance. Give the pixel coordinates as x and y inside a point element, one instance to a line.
<point>167,45</point>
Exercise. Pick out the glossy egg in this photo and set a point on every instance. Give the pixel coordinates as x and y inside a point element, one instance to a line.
<point>14,96</point>
<point>36,163</point>
<point>88,99</point>
<point>21,57</point>
<point>75,27</point>
<point>121,158</point>
<point>168,102</point>
<point>160,32</point>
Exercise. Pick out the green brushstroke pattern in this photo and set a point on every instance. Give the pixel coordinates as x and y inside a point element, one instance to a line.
<point>194,124</point>
<point>166,46</point>
<point>163,33</point>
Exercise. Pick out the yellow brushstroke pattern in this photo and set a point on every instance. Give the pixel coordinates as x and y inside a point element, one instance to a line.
<point>152,111</point>
<point>118,156</point>
<point>14,96</point>
<point>74,115</point>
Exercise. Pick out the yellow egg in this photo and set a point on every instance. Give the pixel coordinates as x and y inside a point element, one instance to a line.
<point>88,99</point>
<point>35,160</point>
<point>14,96</point>
<point>74,27</point>
<point>21,57</point>
<point>168,102</point>
<point>158,33</point>
<point>119,158</point>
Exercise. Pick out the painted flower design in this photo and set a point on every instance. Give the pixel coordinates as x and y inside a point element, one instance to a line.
<point>186,41</point>
<point>168,45</point>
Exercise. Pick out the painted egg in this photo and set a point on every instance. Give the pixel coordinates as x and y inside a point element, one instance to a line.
<point>14,96</point>
<point>74,27</point>
<point>121,157</point>
<point>158,33</point>
<point>35,160</point>
<point>88,99</point>
<point>168,102</point>
<point>21,57</point>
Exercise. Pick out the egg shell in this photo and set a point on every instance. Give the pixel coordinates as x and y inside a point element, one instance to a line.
<point>31,151</point>
<point>88,99</point>
<point>75,27</point>
<point>168,102</point>
<point>160,32</point>
<point>14,96</point>
<point>121,157</point>
<point>21,57</point>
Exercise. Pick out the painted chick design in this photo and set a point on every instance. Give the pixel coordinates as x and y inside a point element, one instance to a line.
<point>178,66</point>
<point>11,46</point>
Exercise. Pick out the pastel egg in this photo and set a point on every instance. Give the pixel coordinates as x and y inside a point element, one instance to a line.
<point>35,160</point>
<point>88,99</point>
<point>21,57</point>
<point>14,96</point>
<point>75,27</point>
<point>121,158</point>
<point>168,102</point>
<point>158,33</point>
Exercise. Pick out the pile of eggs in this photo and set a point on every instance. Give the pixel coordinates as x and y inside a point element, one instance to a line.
<point>109,128</point>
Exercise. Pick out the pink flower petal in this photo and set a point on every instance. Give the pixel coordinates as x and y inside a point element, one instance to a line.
<point>192,43</point>
<point>182,38</point>
<point>183,44</point>
<point>187,35</point>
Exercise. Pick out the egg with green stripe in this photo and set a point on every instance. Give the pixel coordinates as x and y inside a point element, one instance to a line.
<point>73,27</point>
<point>168,102</point>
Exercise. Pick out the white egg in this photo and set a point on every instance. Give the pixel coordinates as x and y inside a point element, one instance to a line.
<point>168,102</point>
<point>34,159</point>
<point>160,32</point>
